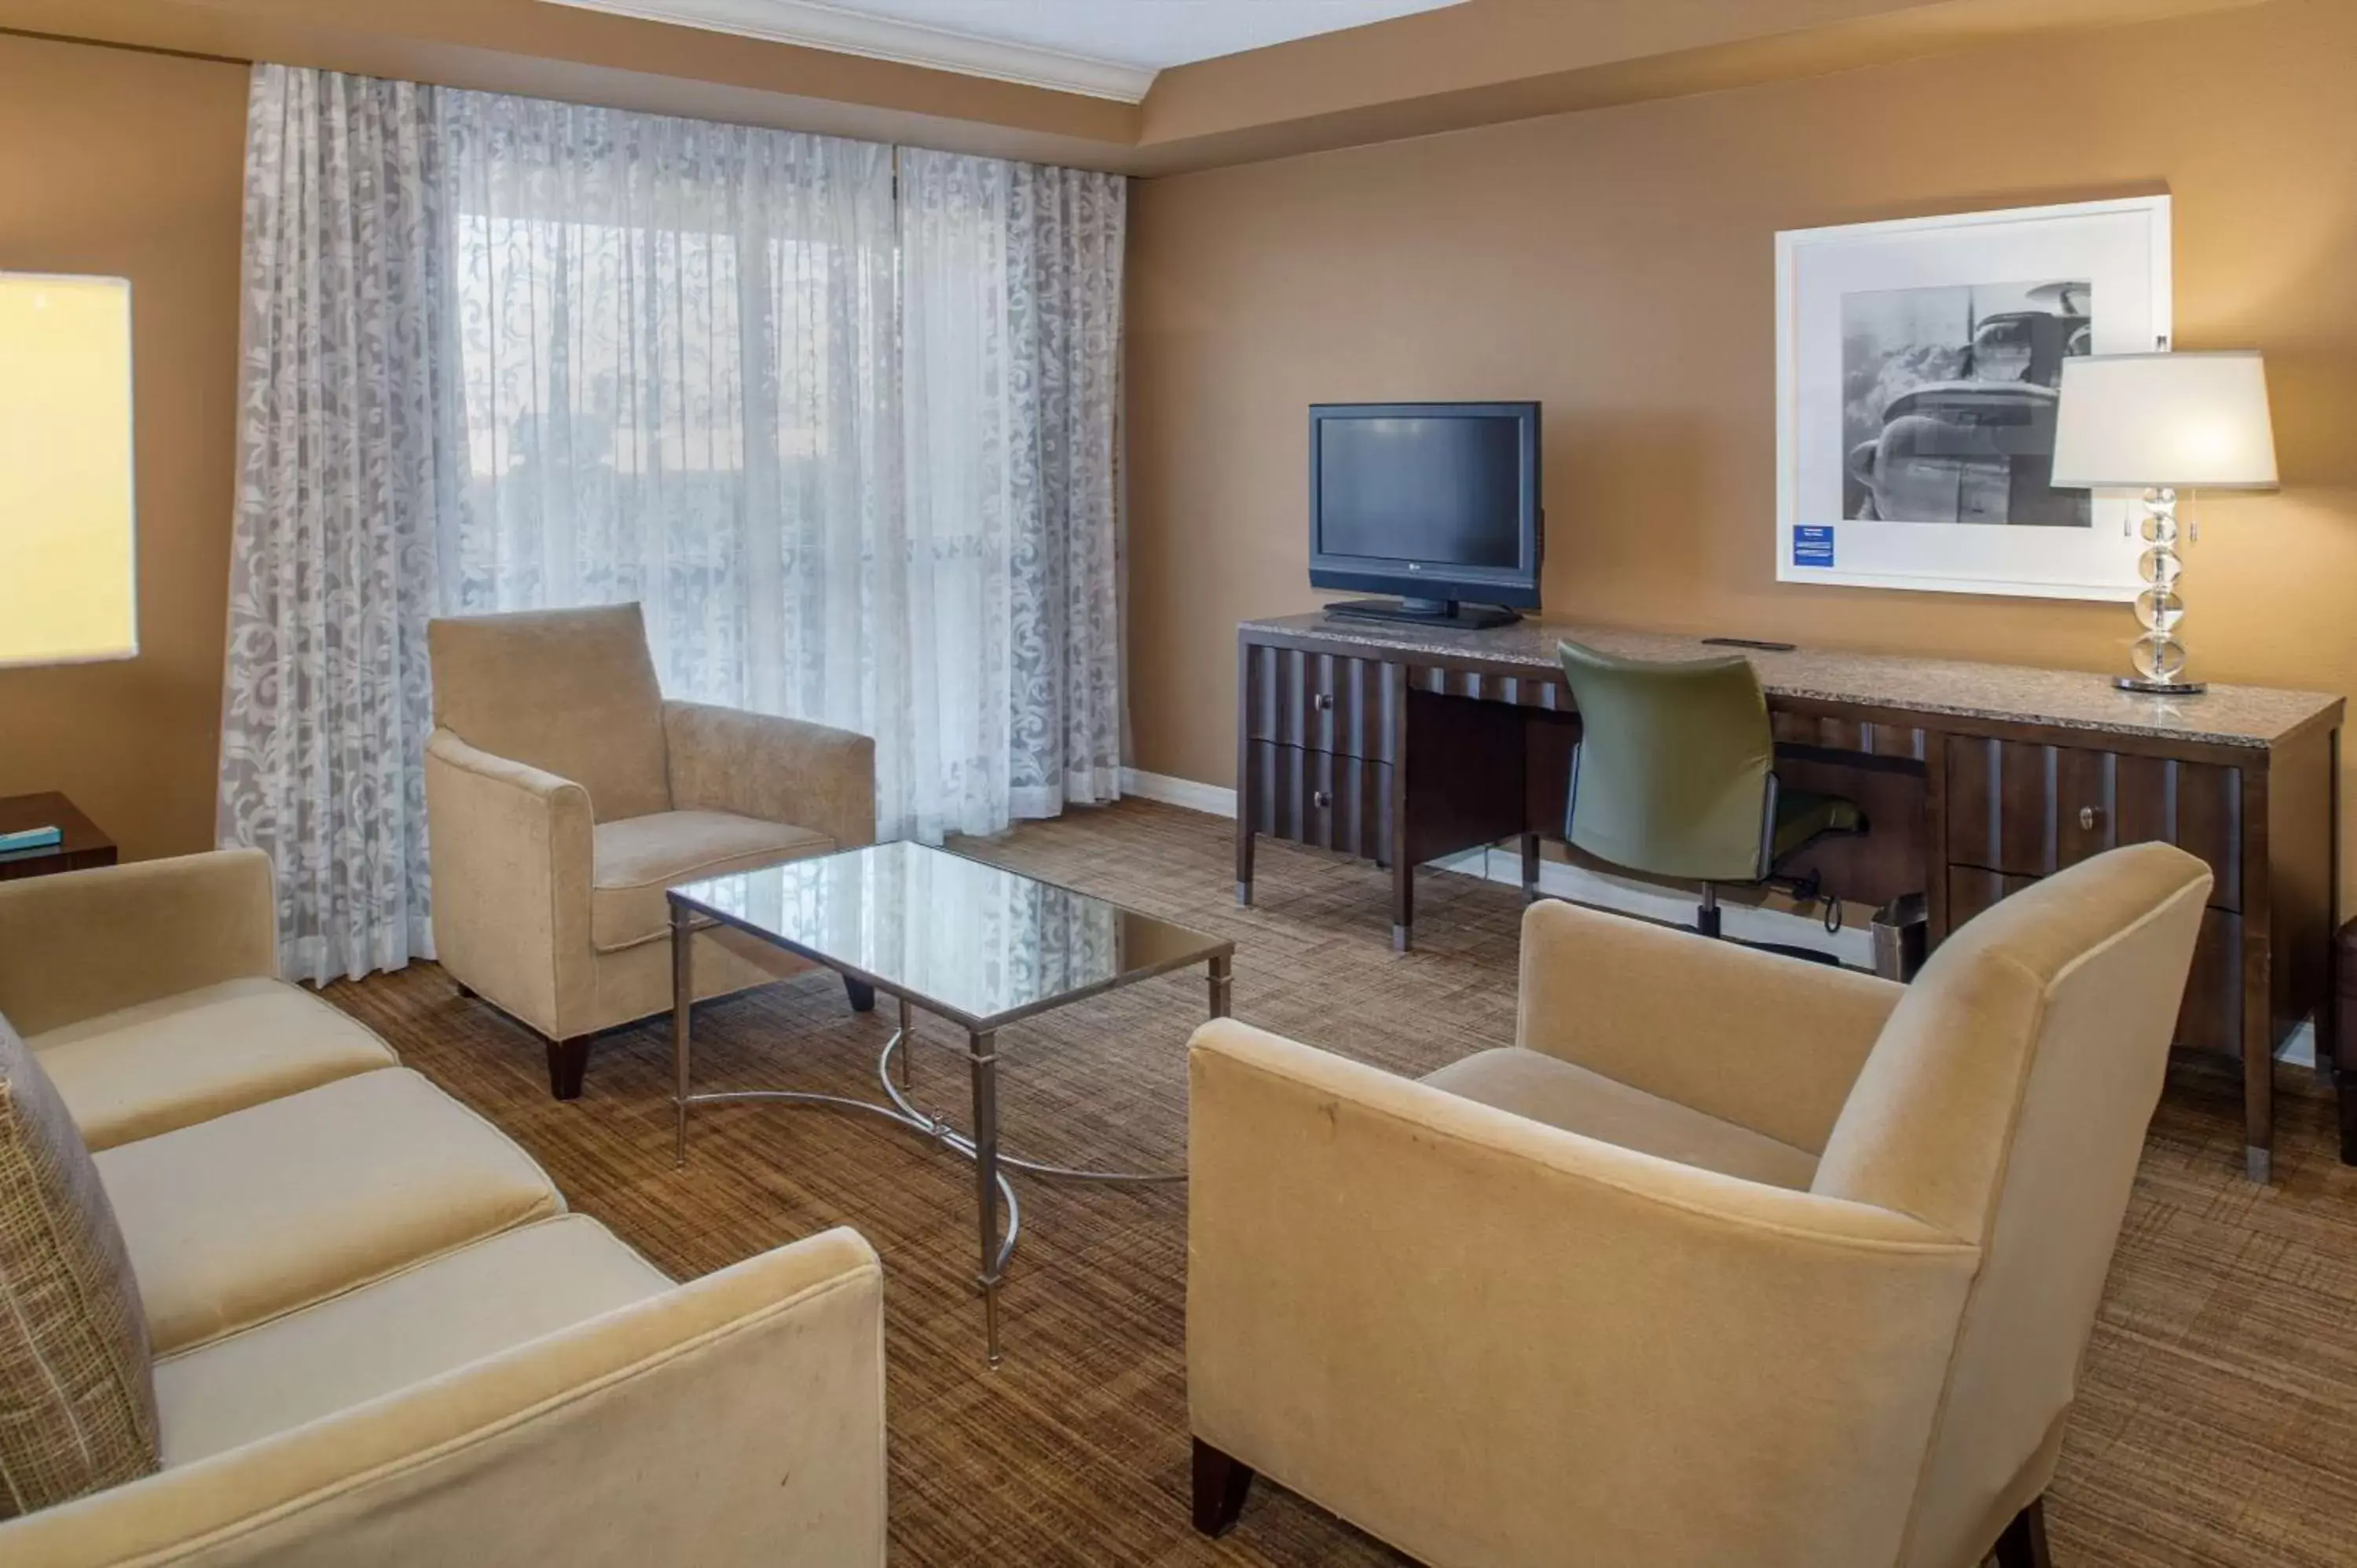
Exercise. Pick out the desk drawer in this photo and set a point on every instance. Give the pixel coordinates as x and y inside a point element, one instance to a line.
<point>2020,809</point>
<point>2211,1017</point>
<point>1320,800</point>
<point>1321,702</point>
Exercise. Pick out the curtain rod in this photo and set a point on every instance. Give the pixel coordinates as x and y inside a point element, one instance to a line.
<point>127,48</point>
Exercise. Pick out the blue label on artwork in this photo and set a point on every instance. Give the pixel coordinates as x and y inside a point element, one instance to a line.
<point>1812,544</point>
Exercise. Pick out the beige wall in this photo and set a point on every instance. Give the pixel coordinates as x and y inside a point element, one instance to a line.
<point>1618,265</point>
<point>127,164</point>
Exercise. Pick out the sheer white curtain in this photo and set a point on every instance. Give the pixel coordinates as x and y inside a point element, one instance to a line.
<point>345,442</point>
<point>680,387</point>
<point>850,440</point>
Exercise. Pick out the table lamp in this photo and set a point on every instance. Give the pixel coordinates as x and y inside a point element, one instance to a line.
<point>67,590</point>
<point>2161,424</point>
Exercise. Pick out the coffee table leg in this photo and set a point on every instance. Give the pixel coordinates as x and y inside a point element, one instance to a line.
<point>682,1003</point>
<point>908,1045</point>
<point>981,1053</point>
<point>1222,986</point>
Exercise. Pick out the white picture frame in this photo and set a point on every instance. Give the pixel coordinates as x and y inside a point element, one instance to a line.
<point>1916,363</point>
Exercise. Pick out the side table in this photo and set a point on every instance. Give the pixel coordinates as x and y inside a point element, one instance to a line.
<point>84,845</point>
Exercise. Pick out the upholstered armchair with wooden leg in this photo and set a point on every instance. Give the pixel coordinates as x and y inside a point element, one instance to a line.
<point>564,795</point>
<point>1731,1259</point>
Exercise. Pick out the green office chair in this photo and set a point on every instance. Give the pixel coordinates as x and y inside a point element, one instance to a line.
<point>1674,775</point>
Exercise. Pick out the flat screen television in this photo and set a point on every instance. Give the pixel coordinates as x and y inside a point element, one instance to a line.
<point>1436,502</point>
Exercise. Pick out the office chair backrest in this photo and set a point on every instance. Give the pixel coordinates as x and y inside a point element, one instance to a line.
<point>1672,772</point>
<point>2005,1104</point>
<point>571,692</point>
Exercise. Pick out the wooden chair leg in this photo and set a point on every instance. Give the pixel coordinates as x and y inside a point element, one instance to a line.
<point>862,995</point>
<point>1220,1487</point>
<point>2023,1544</point>
<point>568,1065</point>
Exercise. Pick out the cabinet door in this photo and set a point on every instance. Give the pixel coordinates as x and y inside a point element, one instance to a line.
<point>1319,702</point>
<point>2021,809</point>
<point>1321,800</point>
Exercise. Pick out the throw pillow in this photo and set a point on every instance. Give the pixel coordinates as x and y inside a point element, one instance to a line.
<point>77,1382</point>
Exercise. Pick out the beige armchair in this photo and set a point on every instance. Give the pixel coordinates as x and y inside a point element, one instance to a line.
<point>1732,1259</point>
<point>564,795</point>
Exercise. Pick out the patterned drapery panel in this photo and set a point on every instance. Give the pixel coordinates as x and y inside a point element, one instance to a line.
<point>1012,341</point>
<point>346,436</point>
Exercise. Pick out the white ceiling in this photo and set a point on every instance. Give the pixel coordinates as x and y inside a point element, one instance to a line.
<point>1108,49</point>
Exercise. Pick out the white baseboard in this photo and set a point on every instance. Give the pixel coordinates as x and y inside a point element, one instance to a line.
<point>1183,792</point>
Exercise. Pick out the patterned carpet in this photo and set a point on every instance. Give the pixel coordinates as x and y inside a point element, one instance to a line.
<point>2218,1424</point>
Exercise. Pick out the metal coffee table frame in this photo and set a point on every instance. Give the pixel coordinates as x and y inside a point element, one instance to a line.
<point>990,1163</point>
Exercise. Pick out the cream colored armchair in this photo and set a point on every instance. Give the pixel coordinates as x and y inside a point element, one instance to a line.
<point>564,795</point>
<point>1732,1259</point>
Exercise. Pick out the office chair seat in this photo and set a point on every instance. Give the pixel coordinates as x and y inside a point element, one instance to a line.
<point>1801,819</point>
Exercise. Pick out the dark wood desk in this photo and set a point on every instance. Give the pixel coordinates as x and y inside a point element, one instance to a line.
<point>1402,744</point>
<point>84,844</point>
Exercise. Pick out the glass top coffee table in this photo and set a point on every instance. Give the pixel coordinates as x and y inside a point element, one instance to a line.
<point>966,942</point>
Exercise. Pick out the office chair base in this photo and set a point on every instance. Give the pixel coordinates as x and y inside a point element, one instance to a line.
<point>1807,955</point>
<point>1708,923</point>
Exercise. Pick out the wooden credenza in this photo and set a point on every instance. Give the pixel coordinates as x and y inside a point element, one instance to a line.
<point>1402,744</point>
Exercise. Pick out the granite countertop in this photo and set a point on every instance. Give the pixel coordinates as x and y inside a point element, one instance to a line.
<point>2255,716</point>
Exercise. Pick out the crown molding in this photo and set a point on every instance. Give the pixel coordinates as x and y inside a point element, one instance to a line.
<point>814,24</point>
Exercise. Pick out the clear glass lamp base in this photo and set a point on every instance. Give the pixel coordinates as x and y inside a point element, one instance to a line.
<point>2158,655</point>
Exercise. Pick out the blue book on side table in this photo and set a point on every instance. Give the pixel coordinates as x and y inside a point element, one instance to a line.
<point>31,838</point>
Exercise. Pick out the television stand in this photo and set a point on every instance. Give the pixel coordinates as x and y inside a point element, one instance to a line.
<point>1447,613</point>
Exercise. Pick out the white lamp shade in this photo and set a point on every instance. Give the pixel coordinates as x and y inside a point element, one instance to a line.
<point>67,556</point>
<point>2176,421</point>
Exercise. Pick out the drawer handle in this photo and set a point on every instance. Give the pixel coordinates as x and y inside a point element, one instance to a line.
<point>2087,815</point>
<point>1322,799</point>
<point>1323,702</point>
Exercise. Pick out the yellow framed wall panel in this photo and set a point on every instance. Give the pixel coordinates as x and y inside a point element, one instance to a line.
<point>68,590</point>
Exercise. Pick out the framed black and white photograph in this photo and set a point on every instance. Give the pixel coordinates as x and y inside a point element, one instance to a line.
<point>1920,367</point>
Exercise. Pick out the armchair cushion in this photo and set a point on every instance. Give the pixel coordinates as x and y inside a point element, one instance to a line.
<point>240,1219</point>
<point>77,1387</point>
<point>571,692</point>
<point>1766,1042</point>
<point>1561,1094</point>
<point>139,1071</point>
<point>444,1314</point>
<point>640,856</point>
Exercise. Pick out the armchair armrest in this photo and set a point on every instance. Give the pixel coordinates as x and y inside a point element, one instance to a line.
<point>736,1420</point>
<point>1770,1042</point>
<point>514,856</point>
<point>1666,1365</point>
<point>86,943</point>
<point>780,771</point>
